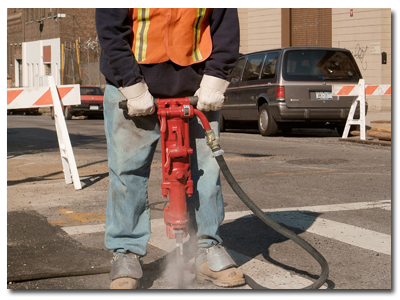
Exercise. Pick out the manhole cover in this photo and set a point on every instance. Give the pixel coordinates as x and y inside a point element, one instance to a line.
<point>317,161</point>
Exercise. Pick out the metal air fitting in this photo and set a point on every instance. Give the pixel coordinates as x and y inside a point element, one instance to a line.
<point>213,142</point>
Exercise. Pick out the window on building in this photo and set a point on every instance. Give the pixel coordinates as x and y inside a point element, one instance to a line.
<point>47,69</point>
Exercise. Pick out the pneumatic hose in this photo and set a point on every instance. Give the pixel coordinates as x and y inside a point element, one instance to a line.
<point>275,226</point>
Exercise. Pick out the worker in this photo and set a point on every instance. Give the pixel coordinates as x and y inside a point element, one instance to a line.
<point>152,53</point>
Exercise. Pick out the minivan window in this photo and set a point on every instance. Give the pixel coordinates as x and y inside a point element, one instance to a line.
<point>269,68</point>
<point>253,67</point>
<point>237,71</point>
<point>317,65</point>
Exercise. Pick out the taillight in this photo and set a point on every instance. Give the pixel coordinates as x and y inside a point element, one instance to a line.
<point>280,93</point>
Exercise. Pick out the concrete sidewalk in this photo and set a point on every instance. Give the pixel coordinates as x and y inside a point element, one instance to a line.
<point>378,115</point>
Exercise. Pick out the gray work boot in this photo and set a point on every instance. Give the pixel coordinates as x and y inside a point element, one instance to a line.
<point>214,264</point>
<point>126,270</point>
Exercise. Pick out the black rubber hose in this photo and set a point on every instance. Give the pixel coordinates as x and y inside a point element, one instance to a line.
<point>275,226</point>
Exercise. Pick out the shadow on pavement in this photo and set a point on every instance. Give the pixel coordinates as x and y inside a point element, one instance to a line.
<point>251,237</point>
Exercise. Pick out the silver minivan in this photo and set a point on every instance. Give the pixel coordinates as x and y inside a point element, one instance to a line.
<point>291,87</point>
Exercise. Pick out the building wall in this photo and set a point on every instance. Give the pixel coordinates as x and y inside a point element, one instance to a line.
<point>33,67</point>
<point>77,24</point>
<point>243,19</point>
<point>311,27</point>
<point>14,42</point>
<point>366,34</point>
<point>263,29</point>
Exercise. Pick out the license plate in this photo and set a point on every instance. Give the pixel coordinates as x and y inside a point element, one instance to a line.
<point>94,107</point>
<point>323,95</point>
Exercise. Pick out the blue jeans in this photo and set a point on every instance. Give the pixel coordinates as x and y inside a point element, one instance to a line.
<point>131,143</point>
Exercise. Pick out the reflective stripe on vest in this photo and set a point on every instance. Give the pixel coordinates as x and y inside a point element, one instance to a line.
<point>181,35</point>
<point>199,19</point>
<point>143,28</point>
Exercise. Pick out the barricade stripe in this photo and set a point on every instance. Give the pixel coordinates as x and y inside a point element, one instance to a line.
<point>64,91</point>
<point>40,96</point>
<point>370,89</point>
<point>45,99</point>
<point>345,90</point>
<point>11,95</point>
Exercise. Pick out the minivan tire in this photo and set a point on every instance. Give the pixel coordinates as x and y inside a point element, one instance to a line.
<point>67,113</point>
<point>266,123</point>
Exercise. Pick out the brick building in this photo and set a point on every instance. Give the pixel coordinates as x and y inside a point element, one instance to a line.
<point>75,27</point>
<point>364,31</point>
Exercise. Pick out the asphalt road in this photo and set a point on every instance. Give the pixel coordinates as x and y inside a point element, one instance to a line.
<point>336,195</point>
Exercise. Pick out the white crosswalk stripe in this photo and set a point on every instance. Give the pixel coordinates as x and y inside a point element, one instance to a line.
<point>266,273</point>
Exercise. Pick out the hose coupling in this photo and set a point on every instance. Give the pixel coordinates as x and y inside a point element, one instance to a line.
<point>213,142</point>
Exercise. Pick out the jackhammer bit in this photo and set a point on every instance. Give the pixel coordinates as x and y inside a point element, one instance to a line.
<point>179,259</point>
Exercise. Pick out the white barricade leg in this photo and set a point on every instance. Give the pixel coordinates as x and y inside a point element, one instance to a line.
<point>362,109</point>
<point>350,118</point>
<point>67,155</point>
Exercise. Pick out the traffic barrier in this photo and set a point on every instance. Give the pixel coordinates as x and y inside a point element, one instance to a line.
<point>370,90</point>
<point>361,90</point>
<point>52,95</point>
<point>41,96</point>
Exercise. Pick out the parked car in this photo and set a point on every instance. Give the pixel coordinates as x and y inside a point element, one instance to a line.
<point>291,87</point>
<point>91,104</point>
<point>22,111</point>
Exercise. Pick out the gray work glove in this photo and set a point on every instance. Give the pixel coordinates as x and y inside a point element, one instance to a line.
<point>140,101</point>
<point>211,93</point>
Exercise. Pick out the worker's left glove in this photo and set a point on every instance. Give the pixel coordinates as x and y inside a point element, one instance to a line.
<point>140,101</point>
<point>211,93</point>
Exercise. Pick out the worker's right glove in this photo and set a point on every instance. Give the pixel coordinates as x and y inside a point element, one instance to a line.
<point>211,93</point>
<point>140,101</point>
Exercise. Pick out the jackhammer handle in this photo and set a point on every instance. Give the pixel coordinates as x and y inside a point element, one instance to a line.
<point>124,104</point>
<point>192,100</point>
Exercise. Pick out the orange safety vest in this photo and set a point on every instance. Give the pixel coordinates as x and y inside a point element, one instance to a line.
<point>181,35</point>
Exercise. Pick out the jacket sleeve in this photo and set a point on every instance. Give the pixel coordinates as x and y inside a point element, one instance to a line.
<point>115,35</point>
<point>224,26</point>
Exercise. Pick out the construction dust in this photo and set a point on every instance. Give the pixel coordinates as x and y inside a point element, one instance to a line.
<point>171,270</point>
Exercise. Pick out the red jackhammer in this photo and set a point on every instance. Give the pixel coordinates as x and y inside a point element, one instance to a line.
<point>174,115</point>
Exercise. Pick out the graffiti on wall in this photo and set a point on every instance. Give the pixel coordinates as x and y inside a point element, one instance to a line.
<point>359,54</point>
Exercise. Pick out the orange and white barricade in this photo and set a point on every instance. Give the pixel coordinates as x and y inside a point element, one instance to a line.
<point>52,95</point>
<point>361,90</point>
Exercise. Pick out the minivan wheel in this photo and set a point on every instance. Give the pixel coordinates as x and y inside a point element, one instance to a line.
<point>266,123</point>
<point>67,113</point>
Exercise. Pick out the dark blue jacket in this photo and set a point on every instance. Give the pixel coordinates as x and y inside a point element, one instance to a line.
<point>165,80</point>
